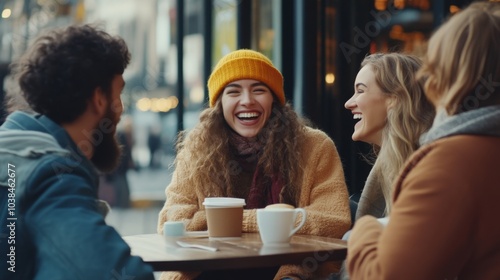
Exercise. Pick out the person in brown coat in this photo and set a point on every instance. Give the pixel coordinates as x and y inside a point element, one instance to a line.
<point>444,219</point>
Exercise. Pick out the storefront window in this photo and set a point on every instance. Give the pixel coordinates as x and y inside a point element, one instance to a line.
<point>403,26</point>
<point>224,28</point>
<point>262,26</point>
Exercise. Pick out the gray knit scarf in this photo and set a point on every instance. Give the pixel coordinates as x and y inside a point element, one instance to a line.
<point>372,200</point>
<point>483,121</point>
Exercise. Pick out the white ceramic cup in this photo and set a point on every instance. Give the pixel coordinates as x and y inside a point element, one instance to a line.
<point>277,225</point>
<point>173,228</point>
<point>224,216</point>
<point>173,231</point>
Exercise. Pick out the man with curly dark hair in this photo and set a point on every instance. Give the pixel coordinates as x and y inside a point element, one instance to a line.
<point>72,79</point>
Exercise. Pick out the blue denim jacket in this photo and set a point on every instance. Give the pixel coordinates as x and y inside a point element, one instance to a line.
<point>51,227</point>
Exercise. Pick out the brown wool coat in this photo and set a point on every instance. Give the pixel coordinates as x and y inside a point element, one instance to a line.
<point>444,222</point>
<point>324,196</point>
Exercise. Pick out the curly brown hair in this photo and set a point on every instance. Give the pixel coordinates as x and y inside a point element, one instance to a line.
<point>206,150</point>
<point>60,72</point>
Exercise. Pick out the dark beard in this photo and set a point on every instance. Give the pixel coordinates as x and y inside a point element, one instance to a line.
<point>107,153</point>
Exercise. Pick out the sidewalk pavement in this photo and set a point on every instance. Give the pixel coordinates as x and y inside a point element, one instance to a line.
<point>148,184</point>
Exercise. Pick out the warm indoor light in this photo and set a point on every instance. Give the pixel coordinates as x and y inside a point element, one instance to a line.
<point>157,104</point>
<point>330,78</point>
<point>144,104</point>
<point>6,13</point>
<point>380,5</point>
<point>454,9</point>
<point>399,4</point>
<point>196,94</point>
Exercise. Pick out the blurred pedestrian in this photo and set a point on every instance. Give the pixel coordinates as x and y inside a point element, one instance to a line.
<point>154,145</point>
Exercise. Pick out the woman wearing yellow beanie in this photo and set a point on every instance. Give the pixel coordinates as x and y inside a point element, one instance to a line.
<point>251,144</point>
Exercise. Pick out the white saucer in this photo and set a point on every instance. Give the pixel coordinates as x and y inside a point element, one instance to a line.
<point>198,234</point>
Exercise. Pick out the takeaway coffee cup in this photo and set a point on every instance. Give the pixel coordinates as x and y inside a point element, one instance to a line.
<point>224,216</point>
<point>277,225</point>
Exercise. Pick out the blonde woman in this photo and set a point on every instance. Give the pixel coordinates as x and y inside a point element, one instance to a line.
<point>251,144</point>
<point>444,219</point>
<point>392,113</point>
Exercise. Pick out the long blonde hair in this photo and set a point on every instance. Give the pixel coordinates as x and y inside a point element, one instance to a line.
<point>410,115</point>
<point>206,151</point>
<point>462,61</point>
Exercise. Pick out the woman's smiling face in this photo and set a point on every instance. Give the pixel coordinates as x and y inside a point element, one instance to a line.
<point>369,105</point>
<point>247,105</point>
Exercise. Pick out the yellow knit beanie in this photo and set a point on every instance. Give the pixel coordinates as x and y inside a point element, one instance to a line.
<point>245,64</point>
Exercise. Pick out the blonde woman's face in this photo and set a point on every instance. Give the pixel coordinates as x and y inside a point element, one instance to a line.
<point>247,105</point>
<point>369,107</point>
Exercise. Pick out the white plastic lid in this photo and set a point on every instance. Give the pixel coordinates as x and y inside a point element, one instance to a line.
<point>224,202</point>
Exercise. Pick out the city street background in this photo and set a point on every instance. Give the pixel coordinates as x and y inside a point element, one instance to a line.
<point>147,192</point>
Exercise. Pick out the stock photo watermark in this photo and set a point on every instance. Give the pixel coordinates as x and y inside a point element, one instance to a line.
<point>483,92</point>
<point>93,138</point>
<point>362,38</point>
<point>11,218</point>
